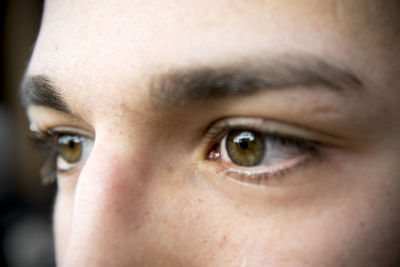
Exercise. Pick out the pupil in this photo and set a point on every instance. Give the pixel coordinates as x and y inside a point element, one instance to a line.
<point>244,144</point>
<point>245,148</point>
<point>71,144</point>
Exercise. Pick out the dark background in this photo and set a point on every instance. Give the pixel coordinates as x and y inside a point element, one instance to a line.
<point>25,205</point>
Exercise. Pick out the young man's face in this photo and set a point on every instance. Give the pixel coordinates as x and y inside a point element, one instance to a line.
<point>221,133</point>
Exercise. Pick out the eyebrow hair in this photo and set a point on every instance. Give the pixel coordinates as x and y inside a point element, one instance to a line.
<point>181,87</point>
<point>39,90</point>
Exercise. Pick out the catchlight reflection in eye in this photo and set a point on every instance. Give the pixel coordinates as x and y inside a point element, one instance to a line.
<point>245,148</point>
<point>72,150</point>
<point>254,150</point>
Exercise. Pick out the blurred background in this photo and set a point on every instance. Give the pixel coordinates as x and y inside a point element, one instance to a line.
<point>25,204</point>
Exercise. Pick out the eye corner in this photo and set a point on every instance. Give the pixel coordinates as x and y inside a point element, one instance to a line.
<point>214,154</point>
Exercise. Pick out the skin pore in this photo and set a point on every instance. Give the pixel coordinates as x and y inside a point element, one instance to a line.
<point>155,87</point>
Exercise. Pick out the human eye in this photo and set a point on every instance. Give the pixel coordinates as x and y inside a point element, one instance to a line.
<point>261,152</point>
<point>68,149</point>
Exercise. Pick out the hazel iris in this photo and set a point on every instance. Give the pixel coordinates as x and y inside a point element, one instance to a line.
<point>70,148</point>
<point>245,148</point>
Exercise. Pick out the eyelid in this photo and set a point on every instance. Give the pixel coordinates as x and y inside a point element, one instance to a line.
<point>269,174</point>
<point>44,118</point>
<point>220,128</point>
<point>68,130</point>
<point>314,144</point>
<point>51,131</point>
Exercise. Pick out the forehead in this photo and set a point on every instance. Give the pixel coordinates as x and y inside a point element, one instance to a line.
<point>101,45</point>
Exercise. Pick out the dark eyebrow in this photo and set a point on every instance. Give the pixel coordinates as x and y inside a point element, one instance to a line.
<point>184,87</point>
<point>39,90</point>
<point>181,87</point>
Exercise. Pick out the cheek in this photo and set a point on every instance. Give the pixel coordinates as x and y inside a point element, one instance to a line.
<point>357,234</point>
<point>62,221</point>
<point>139,211</point>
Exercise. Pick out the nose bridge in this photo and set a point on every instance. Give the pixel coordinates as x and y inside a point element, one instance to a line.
<point>107,203</point>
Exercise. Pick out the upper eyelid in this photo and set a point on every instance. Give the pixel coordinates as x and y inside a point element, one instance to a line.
<point>66,130</point>
<point>221,127</point>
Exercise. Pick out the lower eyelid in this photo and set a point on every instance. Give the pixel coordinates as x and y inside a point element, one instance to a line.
<point>69,171</point>
<point>272,177</point>
<point>63,166</point>
<point>271,169</point>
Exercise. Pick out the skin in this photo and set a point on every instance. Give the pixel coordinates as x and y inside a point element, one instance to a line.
<point>147,196</point>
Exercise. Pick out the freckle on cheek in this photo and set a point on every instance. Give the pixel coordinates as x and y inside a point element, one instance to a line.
<point>170,170</point>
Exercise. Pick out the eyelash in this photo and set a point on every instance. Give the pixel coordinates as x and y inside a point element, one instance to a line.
<point>47,141</point>
<point>312,151</point>
<point>48,171</point>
